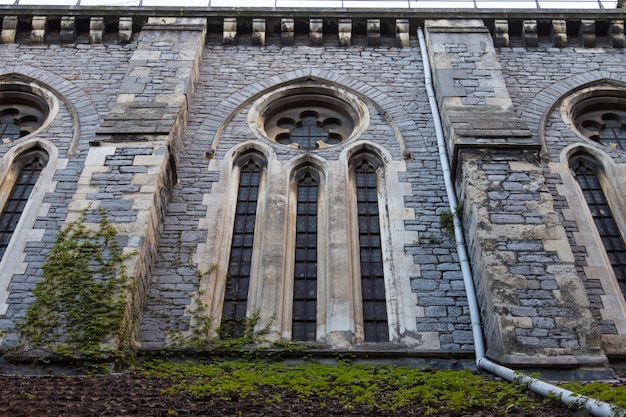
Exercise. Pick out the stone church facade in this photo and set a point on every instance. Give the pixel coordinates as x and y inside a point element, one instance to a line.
<point>284,166</point>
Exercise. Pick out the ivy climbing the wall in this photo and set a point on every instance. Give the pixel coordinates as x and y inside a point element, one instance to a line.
<point>79,305</point>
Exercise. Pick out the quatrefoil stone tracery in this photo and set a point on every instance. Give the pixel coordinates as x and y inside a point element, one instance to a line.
<point>21,113</point>
<point>599,114</point>
<point>308,116</point>
<point>309,132</point>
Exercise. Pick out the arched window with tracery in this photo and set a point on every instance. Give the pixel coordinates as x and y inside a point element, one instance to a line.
<point>304,318</point>
<point>600,115</point>
<point>240,261</point>
<point>587,172</point>
<point>374,300</point>
<point>21,179</point>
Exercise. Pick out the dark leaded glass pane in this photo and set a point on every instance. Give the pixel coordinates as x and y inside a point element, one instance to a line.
<point>309,132</point>
<point>304,320</point>
<point>9,128</point>
<point>375,325</point>
<point>17,199</point>
<point>299,286</point>
<point>238,279</point>
<point>613,132</point>
<point>377,331</point>
<point>603,218</point>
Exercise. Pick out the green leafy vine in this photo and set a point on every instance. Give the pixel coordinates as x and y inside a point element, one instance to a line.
<point>446,219</point>
<point>79,305</point>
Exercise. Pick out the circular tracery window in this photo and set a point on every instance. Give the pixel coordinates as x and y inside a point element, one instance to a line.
<point>308,116</point>
<point>600,115</point>
<point>22,112</point>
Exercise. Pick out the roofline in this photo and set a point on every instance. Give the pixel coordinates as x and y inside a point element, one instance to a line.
<point>304,13</point>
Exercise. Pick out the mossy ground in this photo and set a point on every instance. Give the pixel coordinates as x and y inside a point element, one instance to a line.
<point>249,388</point>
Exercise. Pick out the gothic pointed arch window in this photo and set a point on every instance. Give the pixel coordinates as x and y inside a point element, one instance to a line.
<point>21,181</point>
<point>366,169</point>
<point>235,301</point>
<point>588,173</point>
<point>304,316</point>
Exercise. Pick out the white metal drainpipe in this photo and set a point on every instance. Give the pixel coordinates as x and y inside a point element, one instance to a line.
<point>595,407</point>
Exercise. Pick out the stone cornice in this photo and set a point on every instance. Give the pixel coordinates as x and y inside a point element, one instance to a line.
<point>233,25</point>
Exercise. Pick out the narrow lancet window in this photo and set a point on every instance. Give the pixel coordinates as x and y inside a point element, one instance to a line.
<point>375,325</point>
<point>238,278</point>
<point>30,167</point>
<point>304,320</point>
<point>586,171</point>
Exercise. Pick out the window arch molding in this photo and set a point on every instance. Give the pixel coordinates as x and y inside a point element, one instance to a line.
<point>402,303</point>
<point>271,294</point>
<point>13,260</point>
<point>368,147</point>
<point>81,107</point>
<point>308,115</point>
<point>600,197</point>
<point>390,109</point>
<point>611,177</point>
<point>366,175</point>
<point>540,108</point>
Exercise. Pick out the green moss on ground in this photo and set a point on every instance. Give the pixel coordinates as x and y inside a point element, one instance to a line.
<point>613,393</point>
<point>349,388</point>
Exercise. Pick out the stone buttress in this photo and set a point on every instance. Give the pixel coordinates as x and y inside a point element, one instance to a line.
<point>534,306</point>
<point>131,165</point>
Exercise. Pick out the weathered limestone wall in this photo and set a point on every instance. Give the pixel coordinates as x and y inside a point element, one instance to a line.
<point>471,91</point>
<point>535,309</point>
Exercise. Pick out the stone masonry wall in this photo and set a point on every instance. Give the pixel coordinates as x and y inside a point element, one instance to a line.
<point>146,131</point>
<point>534,307</point>
<point>232,74</point>
<point>87,77</point>
<point>539,95</point>
<point>118,156</point>
<point>532,300</point>
<point>142,135</point>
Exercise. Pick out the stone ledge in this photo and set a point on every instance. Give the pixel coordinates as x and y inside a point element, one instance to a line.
<point>564,361</point>
<point>486,126</point>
